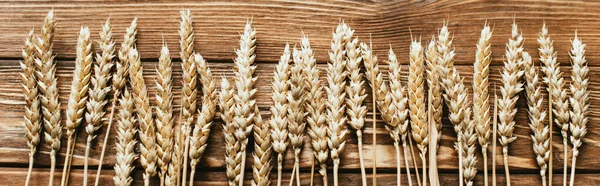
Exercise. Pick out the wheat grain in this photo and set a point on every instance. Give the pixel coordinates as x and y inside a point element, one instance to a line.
<point>433,81</point>
<point>579,99</point>
<point>355,109</point>
<point>233,157</point>
<point>278,122</point>
<point>481,103</point>
<point>125,141</point>
<point>204,123</point>
<point>296,113</point>
<point>164,111</point>
<point>540,132</point>
<point>33,125</point>
<point>336,80</point>
<point>147,147</point>
<point>47,85</point>
<point>416,94</point>
<point>118,81</point>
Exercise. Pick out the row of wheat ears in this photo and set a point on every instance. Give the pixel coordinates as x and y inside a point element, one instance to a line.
<point>297,99</point>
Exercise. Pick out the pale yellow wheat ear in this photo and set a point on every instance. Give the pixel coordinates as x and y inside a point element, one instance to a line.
<point>189,90</point>
<point>553,78</point>
<point>296,113</point>
<point>456,96</point>
<point>278,122</point>
<point>355,107</point>
<point>579,99</point>
<point>233,157</point>
<point>164,111</point>
<point>417,105</point>
<point>126,142</point>
<point>336,81</point>
<point>537,116</point>
<point>433,81</point>
<point>118,79</point>
<point>261,169</point>
<point>79,88</point>
<point>147,134</point>
<point>244,86</point>
<point>48,87</point>
<point>481,101</point>
<point>205,115</point>
<point>33,124</point>
<point>172,176</point>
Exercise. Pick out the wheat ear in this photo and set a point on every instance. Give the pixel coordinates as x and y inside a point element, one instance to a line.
<point>558,95</point>
<point>296,114</point>
<point>204,123</point>
<point>186,44</point>
<point>261,169</point>
<point>147,134</point>
<point>416,94</point>
<point>233,157</point>
<point>537,115</point>
<point>511,86</point>
<point>355,108</point>
<point>481,102</point>
<point>336,80</point>
<point>125,141</point>
<point>579,99</point>
<point>433,82</point>
<point>175,164</point>
<point>47,85</point>
<point>279,109</point>
<point>118,82</point>
<point>79,87</point>
<point>244,98</point>
<point>33,125</point>
<point>164,111</point>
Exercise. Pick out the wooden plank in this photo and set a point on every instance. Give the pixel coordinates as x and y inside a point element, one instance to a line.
<point>13,152</point>
<point>217,24</point>
<point>16,176</point>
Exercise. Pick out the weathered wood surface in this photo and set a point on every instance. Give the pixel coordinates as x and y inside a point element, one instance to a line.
<point>217,26</point>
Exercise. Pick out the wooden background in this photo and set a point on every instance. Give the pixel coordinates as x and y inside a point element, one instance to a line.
<point>217,26</point>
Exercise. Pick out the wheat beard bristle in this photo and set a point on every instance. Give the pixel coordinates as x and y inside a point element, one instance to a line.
<point>433,81</point>
<point>164,111</point>
<point>206,114</point>
<point>147,147</point>
<point>278,122</point>
<point>416,93</point>
<point>125,141</point>
<point>244,97</point>
<point>33,124</point>
<point>537,116</point>
<point>336,80</point>
<point>296,113</point>
<point>579,100</point>
<point>48,87</point>
<point>233,156</point>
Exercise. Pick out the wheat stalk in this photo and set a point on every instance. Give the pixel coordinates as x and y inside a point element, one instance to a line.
<point>540,133</point>
<point>33,125</point>
<point>233,157</point>
<point>278,122</point>
<point>164,111</point>
<point>118,82</point>
<point>204,123</point>
<point>558,95</point>
<point>511,86</point>
<point>244,98</point>
<point>416,94</point>
<point>355,109</point>
<point>79,88</point>
<point>481,102</point>
<point>296,113</point>
<point>336,80</point>
<point>125,141</point>
<point>579,99</point>
<point>186,44</point>
<point>147,147</point>
<point>47,85</point>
